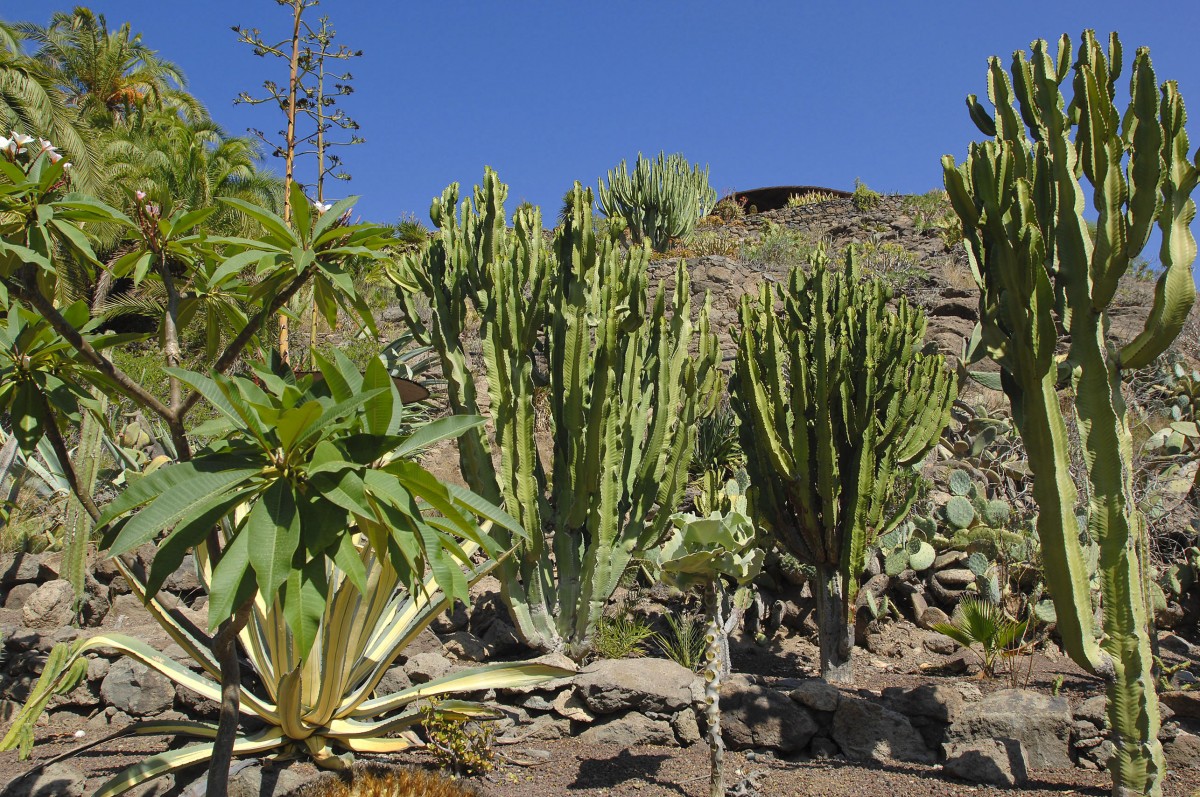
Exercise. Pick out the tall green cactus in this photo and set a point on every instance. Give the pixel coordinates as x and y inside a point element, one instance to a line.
<point>661,200</point>
<point>1039,266</point>
<point>835,398</point>
<point>621,398</point>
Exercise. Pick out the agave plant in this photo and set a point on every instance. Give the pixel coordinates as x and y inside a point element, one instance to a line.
<point>324,705</point>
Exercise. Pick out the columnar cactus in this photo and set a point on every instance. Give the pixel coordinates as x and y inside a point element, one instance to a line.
<point>835,399</point>
<point>621,399</point>
<point>1038,267</point>
<point>661,200</point>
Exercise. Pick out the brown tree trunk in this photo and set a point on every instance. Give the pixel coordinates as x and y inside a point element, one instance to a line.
<point>833,625</point>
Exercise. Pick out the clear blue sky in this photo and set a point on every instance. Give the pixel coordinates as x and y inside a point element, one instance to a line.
<point>767,93</point>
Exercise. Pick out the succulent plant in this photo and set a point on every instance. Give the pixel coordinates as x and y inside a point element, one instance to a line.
<point>959,512</point>
<point>960,482</point>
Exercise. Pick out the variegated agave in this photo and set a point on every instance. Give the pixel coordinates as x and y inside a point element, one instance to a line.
<point>324,705</point>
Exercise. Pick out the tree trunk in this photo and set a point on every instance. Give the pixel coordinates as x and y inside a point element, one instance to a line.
<point>226,652</point>
<point>716,645</point>
<point>833,625</point>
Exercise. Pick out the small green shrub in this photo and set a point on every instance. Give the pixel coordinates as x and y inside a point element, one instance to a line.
<point>622,636</point>
<point>864,198</point>
<point>459,746</point>
<point>683,642</point>
<point>661,200</point>
<point>717,448</point>
<point>780,246</point>
<point>411,231</point>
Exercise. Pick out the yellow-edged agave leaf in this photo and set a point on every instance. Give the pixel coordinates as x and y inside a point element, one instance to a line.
<point>492,676</point>
<point>173,760</point>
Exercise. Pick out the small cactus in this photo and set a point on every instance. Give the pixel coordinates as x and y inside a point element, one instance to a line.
<point>995,513</point>
<point>920,555</point>
<point>959,512</point>
<point>960,482</point>
<point>978,564</point>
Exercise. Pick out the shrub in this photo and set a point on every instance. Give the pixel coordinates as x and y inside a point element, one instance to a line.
<point>864,198</point>
<point>622,636</point>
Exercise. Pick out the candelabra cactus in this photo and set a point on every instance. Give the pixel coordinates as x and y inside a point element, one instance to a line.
<point>1038,267</point>
<point>661,200</point>
<point>623,397</point>
<point>835,398</point>
<point>707,552</point>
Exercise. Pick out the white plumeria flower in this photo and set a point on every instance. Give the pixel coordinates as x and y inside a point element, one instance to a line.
<point>48,149</point>
<point>21,140</point>
<point>68,165</point>
<point>322,207</point>
<point>140,195</point>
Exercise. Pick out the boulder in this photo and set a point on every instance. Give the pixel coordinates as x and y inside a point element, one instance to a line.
<point>56,780</point>
<point>866,731</point>
<point>754,716</point>
<point>938,702</point>
<point>15,599</point>
<point>395,679</point>
<point>686,727</point>
<point>570,706</point>
<point>1092,710</point>
<point>465,646</point>
<point>931,617</point>
<point>19,568</point>
<point>52,605</point>
<point>425,667</point>
<point>816,695</point>
<point>631,729</point>
<point>1042,723</point>
<point>258,781</point>
<point>501,638</point>
<point>136,689</point>
<point>1184,704</point>
<point>994,761</point>
<point>1183,752</point>
<point>610,686</point>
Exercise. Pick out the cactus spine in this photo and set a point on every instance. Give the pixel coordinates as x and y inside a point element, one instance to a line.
<point>1036,263</point>
<point>661,200</point>
<point>835,398</point>
<point>622,399</point>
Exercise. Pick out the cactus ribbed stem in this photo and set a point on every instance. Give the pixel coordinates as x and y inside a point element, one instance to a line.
<point>1040,267</point>
<point>834,628</point>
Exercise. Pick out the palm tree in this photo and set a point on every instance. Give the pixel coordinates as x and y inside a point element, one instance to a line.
<point>103,73</point>
<point>32,103</point>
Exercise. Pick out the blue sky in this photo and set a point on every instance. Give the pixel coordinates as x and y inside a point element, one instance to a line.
<point>767,93</point>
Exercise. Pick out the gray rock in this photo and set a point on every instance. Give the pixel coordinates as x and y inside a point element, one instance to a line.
<point>610,686</point>
<point>957,578</point>
<point>686,727</point>
<point>465,646</point>
<point>134,688</point>
<point>1183,752</point>
<point>394,680</point>
<point>184,579</point>
<point>19,568</point>
<point>866,731</point>
<point>824,747</point>
<point>501,638</point>
<point>256,781</point>
<point>1184,704</point>
<point>754,716</point>
<point>52,605</point>
<point>995,761</point>
<point>537,703</point>
<point>1092,710</point>
<point>570,705</point>
<point>933,701</point>
<point>424,642</point>
<point>425,667</point>
<point>631,729</point>
<point>1042,723</point>
<point>931,617</point>
<point>817,695</point>
<point>546,728</point>
<point>17,595</point>
<point>56,780</point>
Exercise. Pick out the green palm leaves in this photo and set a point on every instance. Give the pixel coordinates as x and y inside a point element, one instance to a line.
<point>986,624</point>
<point>295,463</point>
<point>1038,265</point>
<point>835,396</point>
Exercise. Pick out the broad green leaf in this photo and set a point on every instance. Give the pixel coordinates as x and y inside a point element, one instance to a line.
<point>273,528</point>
